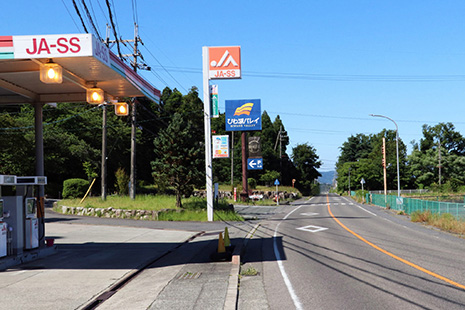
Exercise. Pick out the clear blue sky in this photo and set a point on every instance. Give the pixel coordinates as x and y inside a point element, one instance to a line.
<point>323,66</point>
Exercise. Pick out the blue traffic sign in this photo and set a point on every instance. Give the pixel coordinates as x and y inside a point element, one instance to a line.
<point>276,182</point>
<point>254,163</point>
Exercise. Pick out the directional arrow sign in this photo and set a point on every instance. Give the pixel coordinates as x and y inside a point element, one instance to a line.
<point>254,163</point>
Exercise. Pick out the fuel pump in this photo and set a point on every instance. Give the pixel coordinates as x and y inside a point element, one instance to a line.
<point>23,211</point>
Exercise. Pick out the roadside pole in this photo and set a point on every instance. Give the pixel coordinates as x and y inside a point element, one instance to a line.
<point>208,139</point>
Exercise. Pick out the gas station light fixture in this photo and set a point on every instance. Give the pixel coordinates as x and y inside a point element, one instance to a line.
<point>95,95</point>
<point>121,109</point>
<point>51,73</point>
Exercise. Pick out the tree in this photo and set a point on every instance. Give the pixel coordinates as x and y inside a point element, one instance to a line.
<point>179,157</point>
<point>424,160</point>
<point>445,134</point>
<point>363,155</point>
<point>355,148</point>
<point>306,162</point>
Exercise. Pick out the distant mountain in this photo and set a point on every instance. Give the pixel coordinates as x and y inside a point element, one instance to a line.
<point>326,177</point>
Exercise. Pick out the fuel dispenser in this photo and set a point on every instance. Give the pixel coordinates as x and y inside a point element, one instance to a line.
<point>21,207</point>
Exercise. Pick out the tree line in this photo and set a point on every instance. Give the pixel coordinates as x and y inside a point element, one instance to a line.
<point>437,161</point>
<point>170,146</point>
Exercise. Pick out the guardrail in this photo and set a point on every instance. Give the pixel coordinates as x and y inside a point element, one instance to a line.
<point>410,205</point>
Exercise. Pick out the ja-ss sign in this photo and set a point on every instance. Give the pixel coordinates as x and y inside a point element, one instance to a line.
<point>224,62</point>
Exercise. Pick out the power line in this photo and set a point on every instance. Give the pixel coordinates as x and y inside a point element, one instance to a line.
<point>69,13</point>
<point>167,71</point>
<point>339,77</point>
<point>114,28</point>
<point>135,17</point>
<point>89,17</point>
<point>80,17</point>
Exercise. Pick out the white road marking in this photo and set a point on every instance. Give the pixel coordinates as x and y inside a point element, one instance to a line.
<point>365,210</point>
<point>312,228</point>
<point>288,283</point>
<point>309,214</point>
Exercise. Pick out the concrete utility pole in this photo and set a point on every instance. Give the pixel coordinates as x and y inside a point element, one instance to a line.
<point>135,65</point>
<point>439,165</point>
<point>104,152</point>
<point>384,169</point>
<point>397,149</point>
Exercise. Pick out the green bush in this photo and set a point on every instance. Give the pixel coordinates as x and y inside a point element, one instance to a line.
<point>75,188</point>
<point>252,183</point>
<point>122,181</point>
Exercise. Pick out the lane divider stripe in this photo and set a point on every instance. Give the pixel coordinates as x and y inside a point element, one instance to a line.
<point>392,255</point>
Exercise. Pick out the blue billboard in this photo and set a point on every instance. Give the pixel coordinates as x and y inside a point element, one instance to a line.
<point>243,115</point>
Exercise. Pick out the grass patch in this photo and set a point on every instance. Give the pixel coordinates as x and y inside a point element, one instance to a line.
<point>194,208</point>
<point>250,271</point>
<point>446,221</point>
<point>142,202</point>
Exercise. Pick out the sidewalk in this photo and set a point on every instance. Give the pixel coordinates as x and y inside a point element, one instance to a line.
<point>93,259</point>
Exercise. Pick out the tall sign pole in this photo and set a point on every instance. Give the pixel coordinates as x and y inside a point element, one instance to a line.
<point>218,63</point>
<point>208,133</point>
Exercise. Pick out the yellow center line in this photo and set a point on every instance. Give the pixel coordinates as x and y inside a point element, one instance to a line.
<point>392,255</point>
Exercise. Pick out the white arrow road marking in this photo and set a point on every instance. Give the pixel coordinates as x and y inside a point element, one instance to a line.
<point>309,214</point>
<point>312,228</point>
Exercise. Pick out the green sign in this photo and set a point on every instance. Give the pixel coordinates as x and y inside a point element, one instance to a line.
<point>214,100</point>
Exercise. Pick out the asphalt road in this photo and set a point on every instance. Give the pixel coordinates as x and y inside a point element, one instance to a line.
<point>330,253</point>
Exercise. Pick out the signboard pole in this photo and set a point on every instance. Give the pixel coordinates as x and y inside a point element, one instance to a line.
<point>208,139</point>
<point>245,186</point>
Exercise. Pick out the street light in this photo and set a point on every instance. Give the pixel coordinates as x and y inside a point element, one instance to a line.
<point>397,149</point>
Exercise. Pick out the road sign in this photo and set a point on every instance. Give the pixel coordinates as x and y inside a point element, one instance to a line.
<point>362,181</point>
<point>254,163</point>
<point>243,115</point>
<point>224,62</point>
<point>276,182</point>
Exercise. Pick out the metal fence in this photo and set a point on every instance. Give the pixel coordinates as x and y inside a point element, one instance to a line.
<point>410,205</point>
<point>402,191</point>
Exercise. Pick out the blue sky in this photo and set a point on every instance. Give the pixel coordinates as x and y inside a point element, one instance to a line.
<point>323,66</point>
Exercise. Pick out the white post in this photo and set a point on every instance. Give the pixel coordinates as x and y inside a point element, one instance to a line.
<point>208,139</point>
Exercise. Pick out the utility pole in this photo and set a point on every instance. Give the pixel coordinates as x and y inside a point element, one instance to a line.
<point>439,166</point>
<point>135,65</point>
<point>104,152</point>
<point>384,169</point>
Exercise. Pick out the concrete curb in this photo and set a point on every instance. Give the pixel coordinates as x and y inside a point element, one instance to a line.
<point>232,292</point>
<point>26,257</point>
<point>239,249</point>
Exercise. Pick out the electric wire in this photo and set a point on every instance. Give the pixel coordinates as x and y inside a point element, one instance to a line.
<point>93,12</point>
<point>69,13</point>
<point>103,12</point>
<point>169,73</point>
<point>135,16</point>
<point>90,20</point>
<point>339,77</point>
<point>114,28</point>
<point>80,17</point>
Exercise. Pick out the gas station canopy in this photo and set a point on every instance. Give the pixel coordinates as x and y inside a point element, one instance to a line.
<point>86,63</point>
